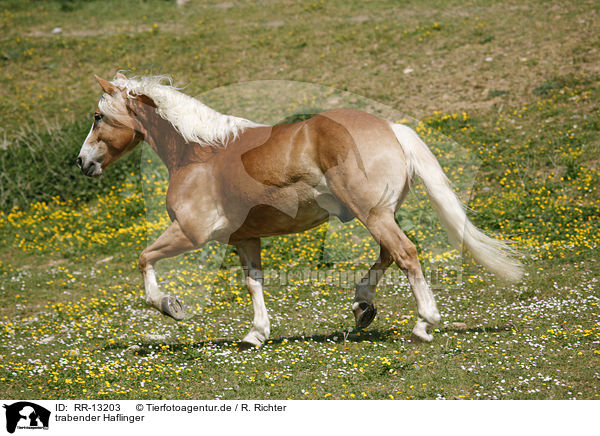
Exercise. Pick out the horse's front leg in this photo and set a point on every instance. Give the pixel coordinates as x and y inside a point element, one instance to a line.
<point>249,252</point>
<point>171,243</point>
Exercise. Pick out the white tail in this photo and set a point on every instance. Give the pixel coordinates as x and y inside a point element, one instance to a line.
<point>495,255</point>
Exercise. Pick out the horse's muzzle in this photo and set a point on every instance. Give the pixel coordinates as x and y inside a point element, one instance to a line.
<point>89,168</point>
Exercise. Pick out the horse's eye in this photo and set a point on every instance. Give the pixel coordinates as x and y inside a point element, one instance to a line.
<point>98,117</point>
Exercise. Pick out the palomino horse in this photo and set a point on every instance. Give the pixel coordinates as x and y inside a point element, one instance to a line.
<point>235,181</point>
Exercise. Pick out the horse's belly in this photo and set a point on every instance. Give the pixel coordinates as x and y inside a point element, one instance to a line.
<point>265,220</point>
<point>312,207</point>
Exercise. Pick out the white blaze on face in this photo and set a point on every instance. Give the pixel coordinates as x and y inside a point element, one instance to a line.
<point>91,155</point>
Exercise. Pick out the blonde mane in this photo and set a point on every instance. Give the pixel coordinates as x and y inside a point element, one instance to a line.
<point>195,121</point>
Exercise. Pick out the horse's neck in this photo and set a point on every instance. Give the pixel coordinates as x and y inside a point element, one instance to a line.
<point>166,141</point>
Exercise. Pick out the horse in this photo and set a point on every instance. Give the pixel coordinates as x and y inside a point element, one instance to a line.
<point>236,181</point>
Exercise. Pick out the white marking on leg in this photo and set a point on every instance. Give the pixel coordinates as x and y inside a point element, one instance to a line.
<point>153,293</point>
<point>260,325</point>
<point>428,314</point>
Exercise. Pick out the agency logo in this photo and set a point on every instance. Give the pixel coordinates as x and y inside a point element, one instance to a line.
<point>26,415</point>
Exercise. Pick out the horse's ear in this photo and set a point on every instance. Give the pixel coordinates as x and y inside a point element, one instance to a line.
<point>108,87</point>
<point>121,76</point>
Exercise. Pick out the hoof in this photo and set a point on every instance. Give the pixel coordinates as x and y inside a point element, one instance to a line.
<point>364,314</point>
<point>252,340</point>
<point>173,307</point>
<point>420,333</point>
<point>420,339</point>
<point>245,346</point>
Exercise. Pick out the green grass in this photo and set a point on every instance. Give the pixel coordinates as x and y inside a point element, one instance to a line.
<point>517,134</point>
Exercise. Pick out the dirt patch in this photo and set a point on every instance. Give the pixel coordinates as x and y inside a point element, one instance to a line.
<point>358,19</point>
<point>224,5</point>
<point>275,24</point>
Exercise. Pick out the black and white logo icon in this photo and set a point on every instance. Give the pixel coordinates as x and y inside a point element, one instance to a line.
<point>26,415</point>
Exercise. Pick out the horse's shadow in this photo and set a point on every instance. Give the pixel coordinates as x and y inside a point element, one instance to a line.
<point>480,329</point>
<point>336,337</point>
<point>340,336</point>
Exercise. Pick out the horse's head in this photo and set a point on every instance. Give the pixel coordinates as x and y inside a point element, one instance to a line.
<point>114,132</point>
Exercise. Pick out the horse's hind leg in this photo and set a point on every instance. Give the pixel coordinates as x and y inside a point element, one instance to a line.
<point>249,252</point>
<point>171,243</point>
<point>385,230</point>
<point>378,216</point>
<point>363,308</point>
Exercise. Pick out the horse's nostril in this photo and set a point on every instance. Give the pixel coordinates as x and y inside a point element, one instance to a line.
<point>79,162</point>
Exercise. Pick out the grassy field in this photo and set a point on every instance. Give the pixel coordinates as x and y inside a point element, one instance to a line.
<point>505,93</point>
